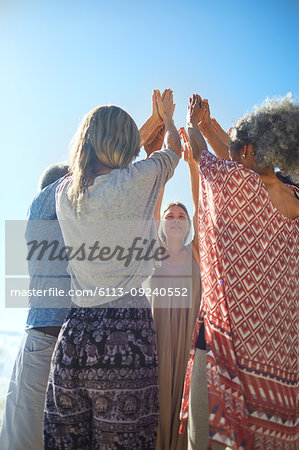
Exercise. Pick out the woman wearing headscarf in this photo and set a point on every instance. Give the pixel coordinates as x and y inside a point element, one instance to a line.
<point>174,291</point>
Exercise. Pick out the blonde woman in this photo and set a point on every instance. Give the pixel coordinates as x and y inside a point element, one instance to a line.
<point>103,390</point>
<point>174,290</point>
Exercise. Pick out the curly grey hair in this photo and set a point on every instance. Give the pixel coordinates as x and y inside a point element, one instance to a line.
<point>52,174</point>
<point>273,131</point>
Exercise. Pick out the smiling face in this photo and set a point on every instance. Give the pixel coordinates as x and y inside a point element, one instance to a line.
<point>175,223</point>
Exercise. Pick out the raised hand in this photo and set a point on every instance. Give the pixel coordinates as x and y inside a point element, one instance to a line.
<point>204,122</point>
<point>186,150</point>
<point>165,104</point>
<point>195,115</point>
<point>220,133</point>
<point>155,112</point>
<point>195,112</point>
<point>153,122</point>
<point>210,129</point>
<point>183,135</point>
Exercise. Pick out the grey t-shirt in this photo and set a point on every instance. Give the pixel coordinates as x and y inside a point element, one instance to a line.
<point>117,214</point>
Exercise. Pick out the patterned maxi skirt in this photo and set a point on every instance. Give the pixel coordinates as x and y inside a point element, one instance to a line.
<point>103,384</point>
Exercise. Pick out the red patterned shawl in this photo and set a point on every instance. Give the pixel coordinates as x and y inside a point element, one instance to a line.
<point>249,265</point>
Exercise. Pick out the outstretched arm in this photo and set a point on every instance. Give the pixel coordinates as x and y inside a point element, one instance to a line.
<point>166,110</point>
<point>194,179</point>
<point>157,212</point>
<point>217,138</point>
<point>194,115</point>
<point>153,123</point>
<point>155,143</point>
<point>150,147</point>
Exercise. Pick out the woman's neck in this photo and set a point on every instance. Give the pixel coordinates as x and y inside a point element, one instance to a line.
<point>99,170</point>
<point>176,251</point>
<point>267,174</point>
<point>175,246</point>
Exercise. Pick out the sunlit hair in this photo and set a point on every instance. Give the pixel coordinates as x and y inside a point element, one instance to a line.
<point>161,233</point>
<point>107,136</point>
<point>52,174</point>
<point>273,131</point>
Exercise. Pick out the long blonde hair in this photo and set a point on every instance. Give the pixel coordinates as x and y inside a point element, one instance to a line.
<point>107,136</point>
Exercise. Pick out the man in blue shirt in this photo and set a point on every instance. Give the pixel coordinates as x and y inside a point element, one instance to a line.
<point>22,426</point>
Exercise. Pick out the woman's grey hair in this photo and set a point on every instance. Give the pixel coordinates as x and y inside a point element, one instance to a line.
<point>273,131</point>
<point>52,174</point>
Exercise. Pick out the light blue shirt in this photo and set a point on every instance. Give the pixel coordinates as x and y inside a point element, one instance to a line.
<point>41,311</point>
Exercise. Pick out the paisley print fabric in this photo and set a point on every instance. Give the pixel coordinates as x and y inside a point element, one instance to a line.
<point>103,385</point>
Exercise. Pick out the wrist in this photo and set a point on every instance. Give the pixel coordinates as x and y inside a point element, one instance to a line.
<point>148,151</point>
<point>169,121</point>
<point>192,124</point>
<point>192,164</point>
<point>156,120</point>
<point>205,127</point>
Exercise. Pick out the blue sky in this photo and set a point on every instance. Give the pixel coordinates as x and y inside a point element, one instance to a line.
<point>60,59</point>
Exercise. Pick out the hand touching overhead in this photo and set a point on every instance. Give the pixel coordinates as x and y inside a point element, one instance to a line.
<point>149,128</point>
<point>195,114</point>
<point>195,111</point>
<point>186,150</point>
<point>166,109</point>
<point>155,112</point>
<point>165,105</point>
<point>212,131</point>
<point>194,178</point>
<point>205,119</point>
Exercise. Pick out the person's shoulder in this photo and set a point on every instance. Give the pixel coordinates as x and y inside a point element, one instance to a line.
<point>157,158</point>
<point>209,160</point>
<point>61,185</point>
<point>226,171</point>
<point>163,153</point>
<point>43,205</point>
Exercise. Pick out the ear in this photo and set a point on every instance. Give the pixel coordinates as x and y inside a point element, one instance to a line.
<point>245,150</point>
<point>248,150</point>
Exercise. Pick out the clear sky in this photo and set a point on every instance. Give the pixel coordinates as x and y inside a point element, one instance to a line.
<point>61,58</point>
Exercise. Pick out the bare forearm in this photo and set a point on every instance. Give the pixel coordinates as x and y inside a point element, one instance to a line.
<point>218,142</point>
<point>197,141</point>
<point>172,139</point>
<point>149,128</point>
<point>157,212</point>
<point>194,180</point>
